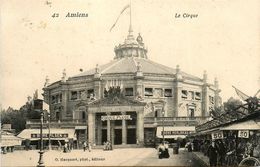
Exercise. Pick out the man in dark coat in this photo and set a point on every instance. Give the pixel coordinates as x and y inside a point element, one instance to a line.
<point>213,154</point>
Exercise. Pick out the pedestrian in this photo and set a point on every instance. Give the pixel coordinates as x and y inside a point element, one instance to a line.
<point>65,148</point>
<point>212,153</point>
<point>161,150</point>
<point>166,152</point>
<point>89,147</point>
<point>68,146</point>
<point>222,153</point>
<point>59,145</point>
<point>84,145</point>
<point>189,147</point>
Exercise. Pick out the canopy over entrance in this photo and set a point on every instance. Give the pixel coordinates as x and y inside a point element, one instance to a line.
<point>247,125</point>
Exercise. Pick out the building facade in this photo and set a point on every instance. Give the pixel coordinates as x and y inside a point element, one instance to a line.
<point>130,99</point>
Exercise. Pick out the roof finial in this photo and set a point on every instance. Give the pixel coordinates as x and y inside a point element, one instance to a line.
<point>130,31</point>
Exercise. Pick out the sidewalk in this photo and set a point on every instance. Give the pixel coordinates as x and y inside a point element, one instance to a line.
<point>202,157</point>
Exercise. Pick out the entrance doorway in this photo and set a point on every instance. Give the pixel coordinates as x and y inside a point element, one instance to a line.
<point>118,136</point>
<point>131,136</point>
<point>104,135</point>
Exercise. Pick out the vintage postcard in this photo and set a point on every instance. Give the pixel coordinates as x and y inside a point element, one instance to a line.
<point>130,83</point>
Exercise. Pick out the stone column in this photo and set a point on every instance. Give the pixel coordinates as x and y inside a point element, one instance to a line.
<point>91,128</point>
<point>65,113</point>
<point>124,130</point>
<point>205,101</point>
<point>97,83</point>
<point>97,88</point>
<point>112,132</point>
<point>99,131</point>
<point>177,91</point>
<point>108,129</point>
<point>177,98</point>
<point>140,128</point>
<point>205,96</point>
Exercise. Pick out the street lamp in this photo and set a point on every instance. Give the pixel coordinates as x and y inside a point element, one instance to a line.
<point>163,123</point>
<point>49,120</point>
<point>38,106</point>
<point>40,162</point>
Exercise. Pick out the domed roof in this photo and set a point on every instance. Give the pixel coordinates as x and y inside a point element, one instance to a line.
<point>129,65</point>
<point>131,57</point>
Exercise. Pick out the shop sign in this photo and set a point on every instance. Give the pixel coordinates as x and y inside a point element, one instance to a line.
<point>217,135</point>
<point>243,133</point>
<point>52,135</point>
<point>116,117</point>
<point>176,132</point>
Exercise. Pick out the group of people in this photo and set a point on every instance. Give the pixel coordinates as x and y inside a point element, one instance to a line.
<point>228,151</point>
<point>67,147</point>
<point>87,146</point>
<point>107,146</point>
<point>163,150</point>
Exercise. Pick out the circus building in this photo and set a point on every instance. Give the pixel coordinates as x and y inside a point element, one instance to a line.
<point>129,101</point>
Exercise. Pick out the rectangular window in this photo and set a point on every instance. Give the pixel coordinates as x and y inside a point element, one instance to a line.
<point>57,99</point>
<point>74,95</point>
<point>184,94</point>
<point>168,93</point>
<point>197,96</point>
<point>148,91</point>
<point>91,93</point>
<point>129,92</point>
<point>52,99</point>
<point>60,98</point>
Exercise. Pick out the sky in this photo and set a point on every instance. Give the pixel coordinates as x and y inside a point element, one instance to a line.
<point>223,40</point>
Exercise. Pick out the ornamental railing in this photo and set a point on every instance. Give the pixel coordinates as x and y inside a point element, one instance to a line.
<point>74,121</point>
<point>159,119</point>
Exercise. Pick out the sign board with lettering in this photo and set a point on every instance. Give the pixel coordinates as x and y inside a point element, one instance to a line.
<point>176,132</point>
<point>217,135</point>
<point>116,117</point>
<point>243,133</point>
<point>52,135</point>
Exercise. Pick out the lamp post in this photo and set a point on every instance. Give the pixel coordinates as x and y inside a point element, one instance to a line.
<point>40,162</point>
<point>49,120</point>
<point>163,124</point>
<point>38,106</point>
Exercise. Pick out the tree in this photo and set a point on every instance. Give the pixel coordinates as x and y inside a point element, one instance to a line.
<point>13,117</point>
<point>232,104</point>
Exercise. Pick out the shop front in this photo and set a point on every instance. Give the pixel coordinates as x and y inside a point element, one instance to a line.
<point>54,137</point>
<point>9,141</point>
<point>174,134</point>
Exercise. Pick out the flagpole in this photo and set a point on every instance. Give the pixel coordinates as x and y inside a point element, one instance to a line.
<point>131,14</point>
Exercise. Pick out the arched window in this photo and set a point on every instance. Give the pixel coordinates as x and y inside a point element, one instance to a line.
<point>156,113</point>
<point>83,115</point>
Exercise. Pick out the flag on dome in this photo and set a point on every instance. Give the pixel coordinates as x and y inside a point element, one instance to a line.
<point>127,6</point>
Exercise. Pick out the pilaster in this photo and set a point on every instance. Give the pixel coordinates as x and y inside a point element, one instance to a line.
<point>91,128</point>
<point>140,128</point>
<point>108,129</point>
<point>124,130</point>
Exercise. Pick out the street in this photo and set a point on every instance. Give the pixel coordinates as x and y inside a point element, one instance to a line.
<point>98,157</point>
